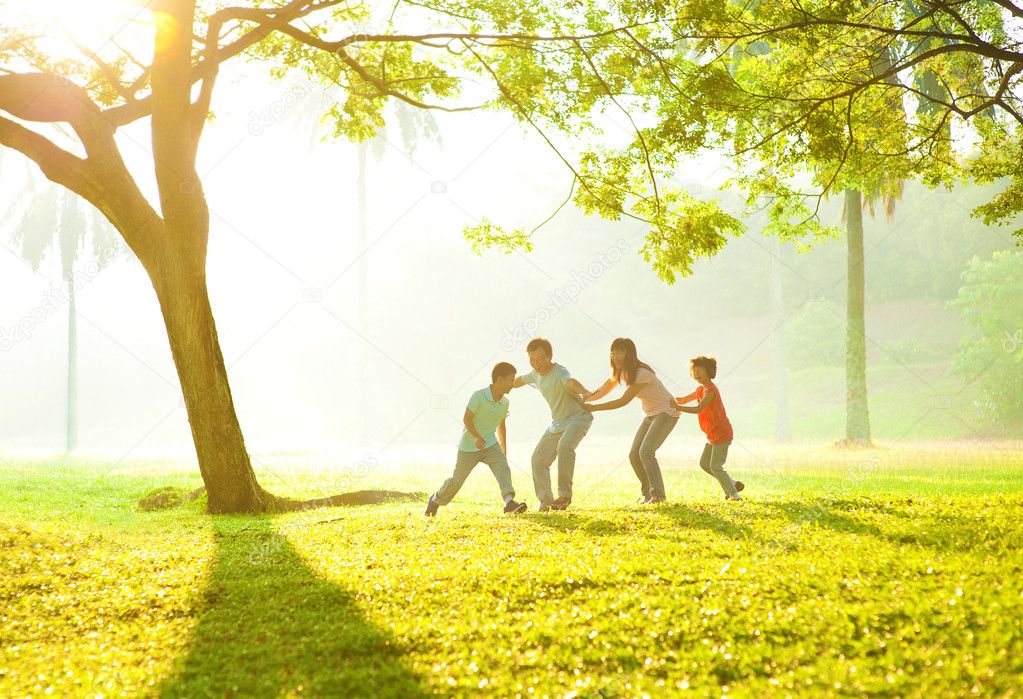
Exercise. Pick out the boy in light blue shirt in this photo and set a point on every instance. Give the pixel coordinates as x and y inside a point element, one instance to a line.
<point>485,439</point>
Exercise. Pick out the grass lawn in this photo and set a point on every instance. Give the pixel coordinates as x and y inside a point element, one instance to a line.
<point>889,572</point>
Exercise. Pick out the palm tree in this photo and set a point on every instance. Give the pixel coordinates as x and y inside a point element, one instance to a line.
<point>415,125</point>
<point>857,414</point>
<point>54,217</point>
<point>782,424</point>
<point>857,419</point>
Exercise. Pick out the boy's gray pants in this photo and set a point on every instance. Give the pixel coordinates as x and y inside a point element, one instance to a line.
<point>713,462</point>
<point>466,462</point>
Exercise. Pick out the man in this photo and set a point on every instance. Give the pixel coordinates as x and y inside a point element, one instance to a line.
<point>569,423</point>
<point>485,431</point>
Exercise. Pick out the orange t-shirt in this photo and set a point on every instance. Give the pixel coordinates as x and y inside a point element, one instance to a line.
<point>713,420</point>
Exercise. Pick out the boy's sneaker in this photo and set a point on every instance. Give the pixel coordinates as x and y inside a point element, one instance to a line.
<point>432,506</point>
<point>732,497</point>
<point>653,500</point>
<point>512,507</point>
<point>739,486</point>
<point>561,504</point>
<point>544,508</point>
<point>642,499</point>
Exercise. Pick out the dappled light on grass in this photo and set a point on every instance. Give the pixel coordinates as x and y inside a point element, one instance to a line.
<point>899,578</point>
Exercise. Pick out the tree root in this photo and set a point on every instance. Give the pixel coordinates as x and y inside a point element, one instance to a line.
<point>168,497</point>
<point>358,497</point>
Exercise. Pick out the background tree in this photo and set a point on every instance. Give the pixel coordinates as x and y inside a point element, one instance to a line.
<point>807,99</point>
<point>991,361</point>
<point>46,217</point>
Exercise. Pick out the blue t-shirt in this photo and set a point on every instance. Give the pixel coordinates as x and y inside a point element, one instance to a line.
<point>564,404</point>
<point>487,414</point>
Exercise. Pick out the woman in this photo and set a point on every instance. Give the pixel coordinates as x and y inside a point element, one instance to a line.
<point>659,406</point>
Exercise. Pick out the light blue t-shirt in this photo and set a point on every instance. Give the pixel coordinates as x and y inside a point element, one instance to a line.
<point>565,405</point>
<point>487,414</point>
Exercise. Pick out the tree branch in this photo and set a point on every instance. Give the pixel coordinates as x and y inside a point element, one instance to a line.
<point>57,164</point>
<point>102,178</point>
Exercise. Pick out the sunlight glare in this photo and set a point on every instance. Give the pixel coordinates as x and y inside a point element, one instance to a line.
<point>63,23</point>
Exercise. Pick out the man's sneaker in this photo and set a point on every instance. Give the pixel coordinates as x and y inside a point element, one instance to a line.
<point>544,508</point>
<point>732,497</point>
<point>432,506</point>
<point>642,499</point>
<point>561,504</point>
<point>739,486</point>
<point>512,507</point>
<point>653,501</point>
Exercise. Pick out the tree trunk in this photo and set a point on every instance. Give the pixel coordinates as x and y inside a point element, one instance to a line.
<point>362,362</point>
<point>71,424</point>
<point>224,463</point>
<point>857,418</point>
<point>782,424</point>
<point>220,447</point>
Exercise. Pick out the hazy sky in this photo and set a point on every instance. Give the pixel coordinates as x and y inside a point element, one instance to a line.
<point>284,270</point>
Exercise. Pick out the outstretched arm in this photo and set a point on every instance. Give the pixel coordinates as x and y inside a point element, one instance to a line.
<point>602,391</point>
<point>696,410</point>
<point>626,398</point>
<point>519,383</point>
<point>577,388</point>
<point>685,399</point>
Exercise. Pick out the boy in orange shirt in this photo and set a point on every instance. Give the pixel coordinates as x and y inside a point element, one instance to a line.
<point>710,410</point>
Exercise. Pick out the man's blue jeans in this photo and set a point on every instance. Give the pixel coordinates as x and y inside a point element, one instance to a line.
<point>559,445</point>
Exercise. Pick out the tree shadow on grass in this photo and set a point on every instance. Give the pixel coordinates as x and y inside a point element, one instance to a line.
<point>938,532</point>
<point>689,518</point>
<point>270,627</point>
<point>825,514</point>
<point>577,522</point>
<point>684,517</point>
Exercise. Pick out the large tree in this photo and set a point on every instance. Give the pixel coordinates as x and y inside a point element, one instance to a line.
<point>554,67</point>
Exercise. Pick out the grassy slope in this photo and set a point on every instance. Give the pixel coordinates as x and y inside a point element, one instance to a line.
<point>893,572</point>
<point>907,403</point>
